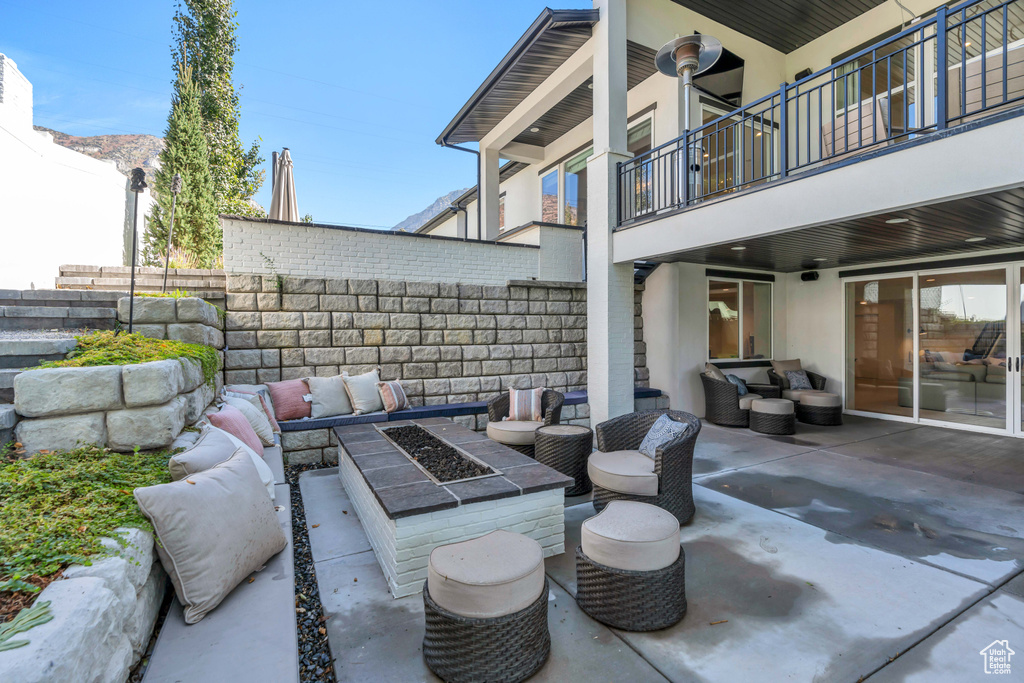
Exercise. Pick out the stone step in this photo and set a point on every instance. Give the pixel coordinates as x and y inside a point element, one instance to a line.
<point>24,353</point>
<point>7,384</point>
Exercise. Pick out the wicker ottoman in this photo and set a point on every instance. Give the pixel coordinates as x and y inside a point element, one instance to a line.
<point>630,570</point>
<point>820,408</point>
<point>772,416</point>
<point>486,607</point>
<point>566,448</point>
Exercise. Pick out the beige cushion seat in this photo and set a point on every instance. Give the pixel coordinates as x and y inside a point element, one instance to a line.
<point>629,472</point>
<point>821,399</point>
<point>772,406</point>
<point>747,399</point>
<point>798,394</point>
<point>486,577</point>
<point>514,432</point>
<point>631,535</point>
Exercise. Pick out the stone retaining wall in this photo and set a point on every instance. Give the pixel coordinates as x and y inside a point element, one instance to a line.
<point>103,617</point>
<point>117,406</point>
<point>188,319</point>
<point>446,343</point>
<point>208,284</point>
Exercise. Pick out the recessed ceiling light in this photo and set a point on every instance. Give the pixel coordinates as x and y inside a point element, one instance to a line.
<point>590,85</point>
<point>535,129</point>
<point>738,248</point>
<point>894,221</point>
<point>931,279</point>
<point>821,259</point>
<point>863,303</point>
<point>975,239</point>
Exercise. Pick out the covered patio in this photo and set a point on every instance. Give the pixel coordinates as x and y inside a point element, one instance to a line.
<point>877,549</point>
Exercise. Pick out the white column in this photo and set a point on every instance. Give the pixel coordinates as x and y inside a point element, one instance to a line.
<point>488,193</point>
<point>609,285</point>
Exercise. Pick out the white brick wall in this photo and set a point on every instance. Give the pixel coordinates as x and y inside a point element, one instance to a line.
<point>561,252</point>
<point>403,546</point>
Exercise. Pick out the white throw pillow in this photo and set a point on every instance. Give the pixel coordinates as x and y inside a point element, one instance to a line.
<point>363,394</point>
<point>255,417</point>
<point>329,396</point>
<point>266,474</point>
<point>663,430</point>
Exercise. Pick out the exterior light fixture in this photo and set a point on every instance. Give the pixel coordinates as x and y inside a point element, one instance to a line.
<point>175,189</point>
<point>975,239</point>
<point>535,129</point>
<point>138,186</point>
<point>738,248</point>
<point>931,279</point>
<point>894,221</point>
<point>821,259</point>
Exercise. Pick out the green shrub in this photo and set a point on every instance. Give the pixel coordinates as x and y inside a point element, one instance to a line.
<point>104,348</point>
<point>55,507</point>
<point>176,294</point>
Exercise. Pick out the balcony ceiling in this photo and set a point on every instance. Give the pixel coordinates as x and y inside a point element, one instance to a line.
<point>782,24</point>
<point>934,230</point>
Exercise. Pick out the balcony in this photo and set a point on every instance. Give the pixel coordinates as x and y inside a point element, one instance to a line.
<point>957,67</point>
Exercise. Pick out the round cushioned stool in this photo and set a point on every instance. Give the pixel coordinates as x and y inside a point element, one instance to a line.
<point>630,570</point>
<point>820,409</point>
<point>486,605</point>
<point>772,416</point>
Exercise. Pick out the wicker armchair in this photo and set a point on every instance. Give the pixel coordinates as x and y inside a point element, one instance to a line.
<point>722,403</point>
<point>550,405</point>
<point>512,434</point>
<point>673,462</point>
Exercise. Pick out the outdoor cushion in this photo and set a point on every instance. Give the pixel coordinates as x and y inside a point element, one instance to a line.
<point>821,399</point>
<point>329,396</point>
<point>746,400</point>
<point>490,576</point>
<point>714,373</point>
<point>232,421</point>
<point>211,448</point>
<point>631,535</point>
<point>795,394</point>
<point>363,394</point>
<point>289,399</point>
<point>772,406</point>
<point>663,430</point>
<point>741,386</point>
<point>214,529</point>
<point>525,405</point>
<point>266,475</point>
<point>392,395</point>
<point>782,366</point>
<point>514,432</point>
<point>256,418</point>
<point>259,401</point>
<point>623,472</point>
<point>260,389</point>
<point>798,380</point>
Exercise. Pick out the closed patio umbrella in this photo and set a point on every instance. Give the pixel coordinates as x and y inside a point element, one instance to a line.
<point>283,206</point>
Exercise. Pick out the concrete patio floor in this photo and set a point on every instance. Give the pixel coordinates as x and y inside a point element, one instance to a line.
<point>876,550</point>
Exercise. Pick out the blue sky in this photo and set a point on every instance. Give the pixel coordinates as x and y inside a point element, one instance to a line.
<point>357,90</point>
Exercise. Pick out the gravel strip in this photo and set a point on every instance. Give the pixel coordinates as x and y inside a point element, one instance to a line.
<point>41,334</point>
<point>315,662</point>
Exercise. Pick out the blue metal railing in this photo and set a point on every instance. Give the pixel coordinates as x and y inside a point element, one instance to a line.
<point>961,64</point>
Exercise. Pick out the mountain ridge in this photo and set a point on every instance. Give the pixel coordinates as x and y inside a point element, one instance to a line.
<point>414,221</point>
<point>126,151</point>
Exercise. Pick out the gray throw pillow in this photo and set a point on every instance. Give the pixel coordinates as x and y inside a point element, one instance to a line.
<point>741,386</point>
<point>798,379</point>
<point>713,372</point>
<point>329,396</point>
<point>663,430</point>
<point>214,528</point>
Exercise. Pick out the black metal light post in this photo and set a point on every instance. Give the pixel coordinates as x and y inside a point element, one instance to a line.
<point>137,186</point>
<point>175,189</point>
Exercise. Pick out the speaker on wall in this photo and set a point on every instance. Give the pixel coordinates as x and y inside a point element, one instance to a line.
<point>803,74</point>
<point>809,276</point>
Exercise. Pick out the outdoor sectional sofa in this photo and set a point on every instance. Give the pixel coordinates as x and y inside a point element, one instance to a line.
<point>969,388</point>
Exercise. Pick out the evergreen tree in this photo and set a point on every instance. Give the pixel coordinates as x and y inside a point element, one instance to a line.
<point>205,38</point>
<point>196,226</point>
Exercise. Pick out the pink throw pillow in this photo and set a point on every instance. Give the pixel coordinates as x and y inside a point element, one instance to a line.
<point>393,396</point>
<point>289,399</point>
<point>232,421</point>
<point>524,405</point>
<point>266,409</point>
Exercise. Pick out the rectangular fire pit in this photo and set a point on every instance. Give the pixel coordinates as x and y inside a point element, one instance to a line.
<point>410,502</point>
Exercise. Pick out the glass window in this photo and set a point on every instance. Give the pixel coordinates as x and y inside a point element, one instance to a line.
<point>575,209</point>
<point>501,212</point>
<point>739,320</point>
<point>549,198</point>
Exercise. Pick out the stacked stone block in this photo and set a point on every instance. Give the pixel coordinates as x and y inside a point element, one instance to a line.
<point>445,342</point>
<point>120,407</point>
<point>189,319</point>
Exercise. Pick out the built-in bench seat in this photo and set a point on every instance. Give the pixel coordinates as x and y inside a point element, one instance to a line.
<point>421,412</point>
<point>252,635</point>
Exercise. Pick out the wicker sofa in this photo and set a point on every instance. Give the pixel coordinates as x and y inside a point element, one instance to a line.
<point>817,382</point>
<point>723,404</point>
<point>619,471</point>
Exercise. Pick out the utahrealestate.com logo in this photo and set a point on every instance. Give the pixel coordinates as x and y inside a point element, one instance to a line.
<point>997,657</point>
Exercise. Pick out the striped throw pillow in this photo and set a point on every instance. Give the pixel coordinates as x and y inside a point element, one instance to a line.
<point>524,405</point>
<point>392,395</point>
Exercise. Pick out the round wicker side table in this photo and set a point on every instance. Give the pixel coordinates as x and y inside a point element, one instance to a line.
<point>772,416</point>
<point>566,448</point>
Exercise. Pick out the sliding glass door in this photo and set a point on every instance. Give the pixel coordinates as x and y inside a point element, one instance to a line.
<point>939,347</point>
